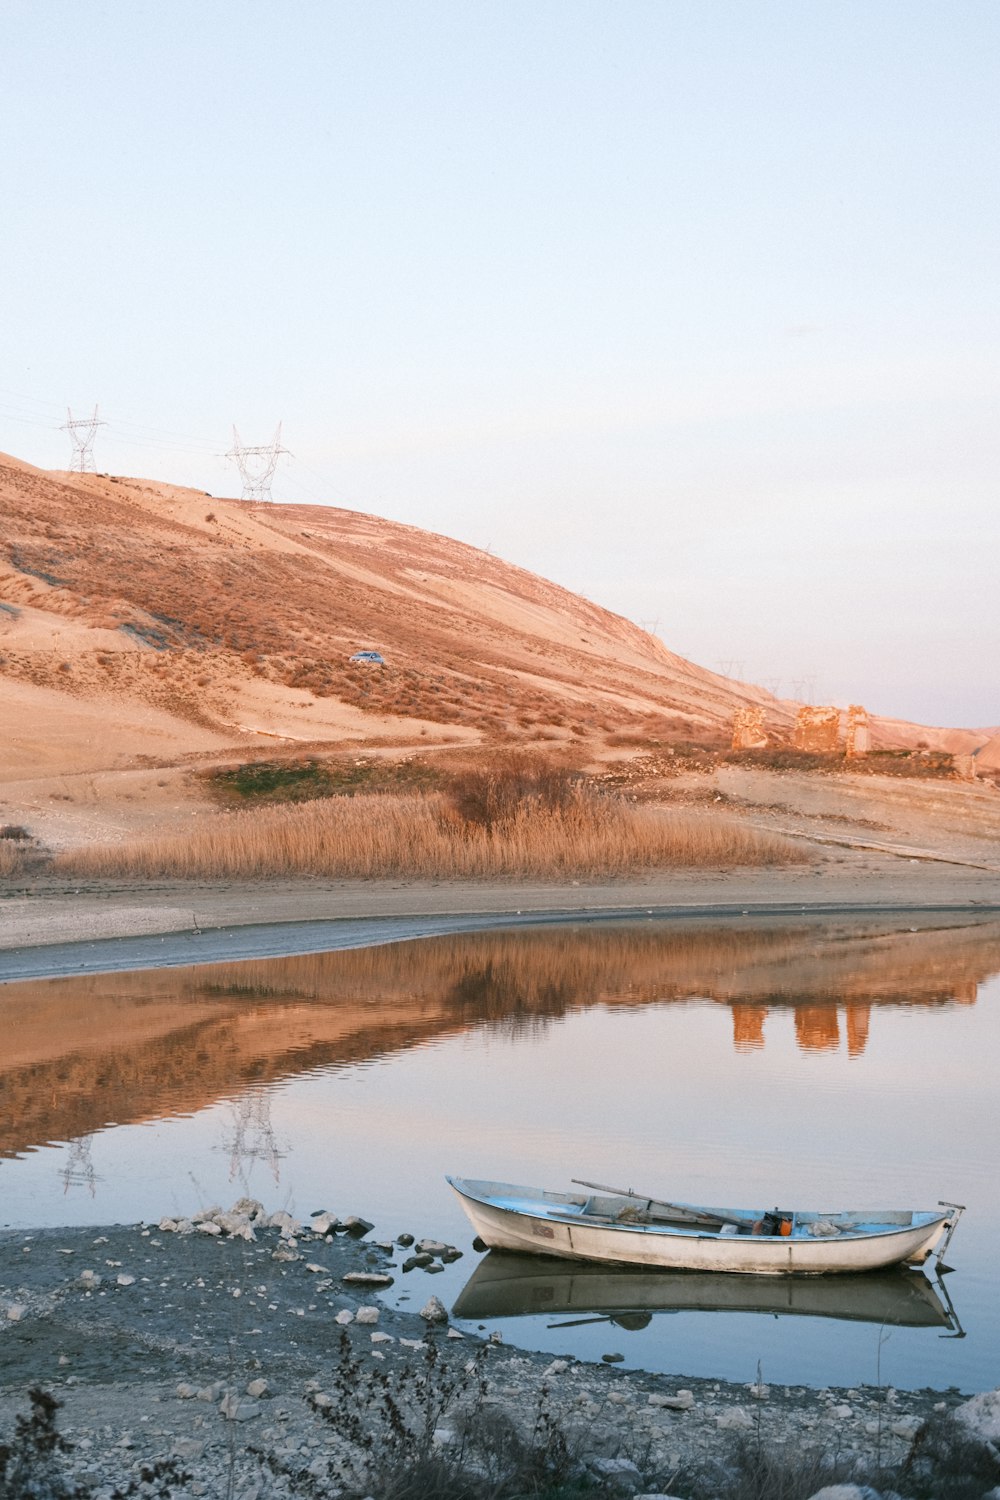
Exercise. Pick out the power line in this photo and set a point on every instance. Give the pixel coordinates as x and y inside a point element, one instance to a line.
<point>11,416</point>
<point>31,400</point>
<point>145,435</point>
<point>164,446</point>
<point>156,434</point>
<point>306,489</point>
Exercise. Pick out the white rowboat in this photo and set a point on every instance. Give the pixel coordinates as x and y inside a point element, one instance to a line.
<point>625,1228</point>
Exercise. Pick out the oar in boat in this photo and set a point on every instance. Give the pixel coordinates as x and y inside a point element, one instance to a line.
<point>676,1210</point>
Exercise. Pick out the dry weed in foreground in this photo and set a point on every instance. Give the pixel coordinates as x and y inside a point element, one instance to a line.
<point>372,837</point>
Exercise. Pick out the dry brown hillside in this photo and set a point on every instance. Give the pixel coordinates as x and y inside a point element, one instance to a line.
<point>142,623</point>
<point>199,621</point>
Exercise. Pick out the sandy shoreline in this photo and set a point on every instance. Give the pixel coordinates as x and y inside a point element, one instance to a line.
<point>204,921</point>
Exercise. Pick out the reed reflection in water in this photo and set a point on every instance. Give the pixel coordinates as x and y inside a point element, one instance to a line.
<point>84,1053</point>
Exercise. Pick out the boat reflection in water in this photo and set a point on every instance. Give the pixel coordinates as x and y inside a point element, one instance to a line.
<point>504,1285</point>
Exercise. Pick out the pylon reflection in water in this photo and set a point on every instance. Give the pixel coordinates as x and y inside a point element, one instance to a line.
<point>253,1138</point>
<point>78,1168</point>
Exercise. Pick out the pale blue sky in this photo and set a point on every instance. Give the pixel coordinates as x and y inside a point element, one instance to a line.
<point>689,305</point>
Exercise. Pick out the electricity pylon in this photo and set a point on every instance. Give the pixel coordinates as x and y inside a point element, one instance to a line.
<point>257,464</point>
<point>82,431</point>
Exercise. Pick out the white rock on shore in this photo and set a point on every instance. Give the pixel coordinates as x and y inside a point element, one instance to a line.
<point>981,1416</point>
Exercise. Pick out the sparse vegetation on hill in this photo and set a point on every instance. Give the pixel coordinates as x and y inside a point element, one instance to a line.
<point>929,764</point>
<point>308,779</point>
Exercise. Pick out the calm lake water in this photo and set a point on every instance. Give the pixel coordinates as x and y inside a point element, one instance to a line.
<point>807,1064</point>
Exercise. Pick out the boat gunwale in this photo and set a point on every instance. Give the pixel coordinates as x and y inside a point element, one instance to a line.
<point>923,1219</point>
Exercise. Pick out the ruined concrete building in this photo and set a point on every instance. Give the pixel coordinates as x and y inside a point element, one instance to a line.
<point>859,740</point>
<point>816,729</point>
<point>748,728</point>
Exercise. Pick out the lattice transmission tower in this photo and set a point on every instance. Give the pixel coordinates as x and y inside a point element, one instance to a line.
<point>257,464</point>
<point>82,432</point>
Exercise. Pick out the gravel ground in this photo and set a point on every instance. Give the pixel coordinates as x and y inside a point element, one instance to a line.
<point>204,1346</point>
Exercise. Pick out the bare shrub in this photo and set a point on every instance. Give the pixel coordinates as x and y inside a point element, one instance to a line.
<point>512,785</point>
<point>949,1462</point>
<point>32,1463</point>
<point>383,1428</point>
<point>782,1472</point>
<point>944,1463</point>
<point>373,837</point>
<point>37,1464</point>
<point>627,739</point>
<point>386,1438</point>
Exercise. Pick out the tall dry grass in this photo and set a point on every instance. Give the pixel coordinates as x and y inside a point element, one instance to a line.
<point>18,851</point>
<point>380,836</point>
<point>11,859</point>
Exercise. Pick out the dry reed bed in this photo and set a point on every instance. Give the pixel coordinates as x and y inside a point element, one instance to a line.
<point>383,836</point>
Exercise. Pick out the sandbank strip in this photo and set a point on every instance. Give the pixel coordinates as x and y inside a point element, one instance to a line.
<point>55,928</point>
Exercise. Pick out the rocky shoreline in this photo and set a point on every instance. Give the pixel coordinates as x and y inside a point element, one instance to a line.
<point>214,1340</point>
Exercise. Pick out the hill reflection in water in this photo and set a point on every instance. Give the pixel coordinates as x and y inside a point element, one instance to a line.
<point>125,1048</point>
